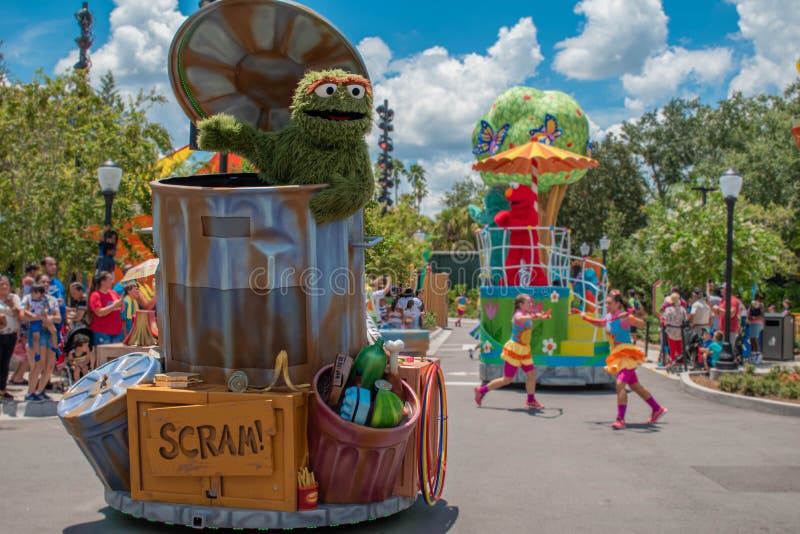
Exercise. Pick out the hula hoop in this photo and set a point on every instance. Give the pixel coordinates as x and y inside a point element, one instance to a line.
<point>432,476</point>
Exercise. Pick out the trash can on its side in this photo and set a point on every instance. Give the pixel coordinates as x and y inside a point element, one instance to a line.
<point>778,337</point>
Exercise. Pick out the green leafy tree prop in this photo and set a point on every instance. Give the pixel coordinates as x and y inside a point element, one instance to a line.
<point>54,133</point>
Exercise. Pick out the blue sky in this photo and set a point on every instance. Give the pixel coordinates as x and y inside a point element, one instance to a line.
<point>442,63</point>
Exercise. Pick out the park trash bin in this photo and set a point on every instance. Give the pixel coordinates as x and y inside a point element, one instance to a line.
<point>95,413</point>
<point>245,272</point>
<point>778,337</point>
<point>353,463</point>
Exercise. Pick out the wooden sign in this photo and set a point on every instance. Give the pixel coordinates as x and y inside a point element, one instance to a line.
<point>233,439</point>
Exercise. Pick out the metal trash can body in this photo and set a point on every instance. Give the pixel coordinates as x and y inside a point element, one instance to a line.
<point>778,337</point>
<point>246,272</point>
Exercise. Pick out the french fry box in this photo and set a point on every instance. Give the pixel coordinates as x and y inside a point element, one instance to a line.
<point>307,498</point>
<point>353,463</point>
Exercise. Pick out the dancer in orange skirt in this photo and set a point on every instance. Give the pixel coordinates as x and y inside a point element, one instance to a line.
<point>625,357</point>
<point>517,352</point>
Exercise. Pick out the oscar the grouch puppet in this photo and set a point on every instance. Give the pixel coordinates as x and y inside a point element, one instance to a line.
<point>323,143</point>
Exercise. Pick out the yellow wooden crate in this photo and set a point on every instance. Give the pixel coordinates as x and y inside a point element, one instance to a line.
<point>208,446</point>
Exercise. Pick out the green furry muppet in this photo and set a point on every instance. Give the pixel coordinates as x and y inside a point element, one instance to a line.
<point>323,143</point>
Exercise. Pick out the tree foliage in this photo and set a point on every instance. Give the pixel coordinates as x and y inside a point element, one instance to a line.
<point>398,253</point>
<point>615,186</point>
<point>54,133</point>
<point>686,243</point>
<point>419,183</point>
<point>454,228</point>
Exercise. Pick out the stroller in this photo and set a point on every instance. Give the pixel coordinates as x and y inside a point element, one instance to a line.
<point>63,372</point>
<point>688,360</point>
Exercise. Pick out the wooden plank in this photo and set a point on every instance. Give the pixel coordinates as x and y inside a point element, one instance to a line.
<point>230,439</point>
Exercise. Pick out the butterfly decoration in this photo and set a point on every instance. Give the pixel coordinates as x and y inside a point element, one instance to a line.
<point>489,140</point>
<point>548,132</point>
<point>589,148</point>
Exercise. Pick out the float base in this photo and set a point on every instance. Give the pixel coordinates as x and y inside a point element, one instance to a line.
<point>199,517</point>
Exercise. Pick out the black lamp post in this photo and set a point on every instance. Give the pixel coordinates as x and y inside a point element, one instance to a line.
<point>604,244</point>
<point>109,174</point>
<point>730,184</point>
<point>704,191</point>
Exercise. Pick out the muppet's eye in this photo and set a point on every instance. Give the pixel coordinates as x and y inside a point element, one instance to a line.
<point>356,91</point>
<point>514,185</point>
<point>326,90</point>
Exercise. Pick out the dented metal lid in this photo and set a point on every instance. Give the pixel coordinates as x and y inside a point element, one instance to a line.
<point>245,57</point>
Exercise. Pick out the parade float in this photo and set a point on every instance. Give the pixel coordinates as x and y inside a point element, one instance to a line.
<point>530,146</point>
<point>268,403</point>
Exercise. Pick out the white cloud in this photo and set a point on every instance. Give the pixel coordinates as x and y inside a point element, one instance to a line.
<point>618,37</point>
<point>437,99</point>
<point>376,56</point>
<point>136,53</point>
<point>442,174</point>
<point>663,74</point>
<point>774,28</point>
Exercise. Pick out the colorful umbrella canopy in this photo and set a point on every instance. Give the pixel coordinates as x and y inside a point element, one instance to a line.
<point>536,158</point>
<point>143,270</point>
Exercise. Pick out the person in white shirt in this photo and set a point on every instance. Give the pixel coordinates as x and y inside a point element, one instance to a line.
<point>379,293</point>
<point>10,310</point>
<point>700,313</point>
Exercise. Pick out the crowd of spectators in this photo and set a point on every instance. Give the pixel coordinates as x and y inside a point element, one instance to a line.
<point>395,306</point>
<point>37,317</point>
<point>705,315</point>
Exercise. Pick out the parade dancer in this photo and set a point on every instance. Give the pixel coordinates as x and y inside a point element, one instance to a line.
<point>517,352</point>
<point>625,357</point>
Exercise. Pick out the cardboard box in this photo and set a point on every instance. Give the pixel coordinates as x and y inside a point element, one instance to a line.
<point>209,446</point>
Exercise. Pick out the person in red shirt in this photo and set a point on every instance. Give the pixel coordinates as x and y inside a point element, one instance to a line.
<point>719,310</point>
<point>105,306</point>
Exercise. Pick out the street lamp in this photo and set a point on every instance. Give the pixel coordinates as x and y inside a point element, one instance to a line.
<point>584,249</point>
<point>704,191</point>
<point>730,184</point>
<point>109,174</point>
<point>604,244</point>
<point>419,235</point>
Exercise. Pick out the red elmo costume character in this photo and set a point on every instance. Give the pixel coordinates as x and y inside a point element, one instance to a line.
<point>523,243</point>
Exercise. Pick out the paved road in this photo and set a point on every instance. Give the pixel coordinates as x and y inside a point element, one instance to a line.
<point>705,468</point>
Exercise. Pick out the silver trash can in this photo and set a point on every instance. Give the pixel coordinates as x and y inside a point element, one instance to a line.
<point>778,337</point>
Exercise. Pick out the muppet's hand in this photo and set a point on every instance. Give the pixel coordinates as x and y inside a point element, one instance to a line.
<point>344,197</point>
<point>220,133</point>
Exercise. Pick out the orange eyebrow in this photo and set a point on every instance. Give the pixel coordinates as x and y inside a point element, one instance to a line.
<point>350,79</point>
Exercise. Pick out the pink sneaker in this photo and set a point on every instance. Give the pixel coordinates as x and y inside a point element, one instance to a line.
<point>657,415</point>
<point>478,395</point>
<point>619,424</point>
<point>535,405</point>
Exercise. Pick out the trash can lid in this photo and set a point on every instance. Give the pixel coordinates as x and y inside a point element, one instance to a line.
<point>108,383</point>
<point>245,57</point>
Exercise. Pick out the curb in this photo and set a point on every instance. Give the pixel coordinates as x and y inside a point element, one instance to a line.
<point>739,401</point>
<point>17,410</point>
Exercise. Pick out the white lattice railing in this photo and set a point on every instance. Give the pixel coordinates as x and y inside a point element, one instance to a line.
<point>555,260</point>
